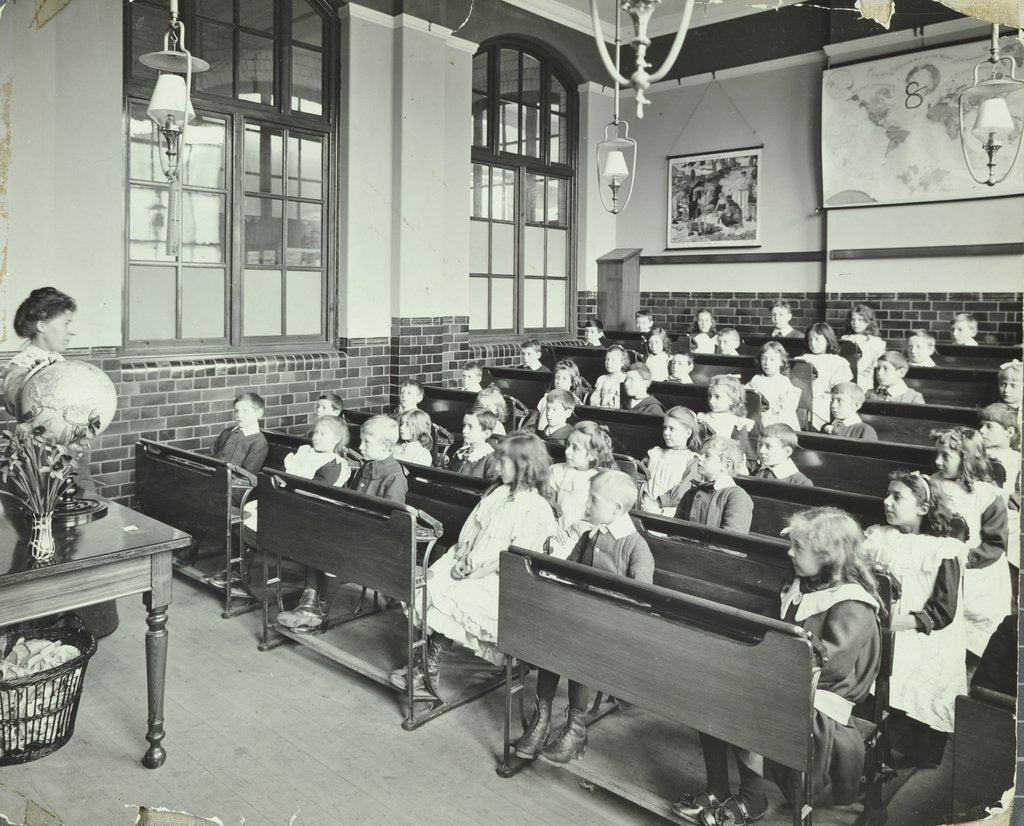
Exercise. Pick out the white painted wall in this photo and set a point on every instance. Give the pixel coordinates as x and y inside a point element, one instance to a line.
<point>66,180</point>
<point>596,227</point>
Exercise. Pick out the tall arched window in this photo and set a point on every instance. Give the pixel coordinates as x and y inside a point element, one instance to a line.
<point>256,250</point>
<point>522,219</point>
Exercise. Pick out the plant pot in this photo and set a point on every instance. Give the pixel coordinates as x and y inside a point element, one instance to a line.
<point>41,542</point>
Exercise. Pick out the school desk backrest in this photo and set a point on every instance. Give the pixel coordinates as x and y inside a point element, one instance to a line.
<point>643,647</point>
<point>635,341</point>
<point>526,385</point>
<point>911,424</point>
<point>359,538</point>
<point>776,501</point>
<point>734,569</point>
<point>632,433</point>
<point>695,397</point>
<point>185,490</point>
<point>447,407</point>
<point>955,386</point>
<point>984,355</point>
<point>589,360</point>
<point>853,465</point>
<point>707,366</point>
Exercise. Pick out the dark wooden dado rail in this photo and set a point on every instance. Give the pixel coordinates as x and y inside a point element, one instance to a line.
<point>952,251</point>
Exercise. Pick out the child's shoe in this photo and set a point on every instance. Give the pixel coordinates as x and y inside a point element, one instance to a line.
<point>571,743</point>
<point>692,806</point>
<point>437,649</point>
<point>536,734</point>
<point>307,615</point>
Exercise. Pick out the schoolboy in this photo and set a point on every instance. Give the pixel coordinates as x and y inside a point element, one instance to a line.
<point>593,333</point>
<point>921,349</point>
<point>558,407</point>
<point>889,381</point>
<point>644,322</point>
<point>782,314</point>
<point>999,432</point>
<point>680,367</point>
<point>329,404</point>
<point>410,394</point>
<point>531,356</point>
<point>775,455</point>
<point>728,342</point>
<point>716,500</point>
<point>472,376</point>
<point>380,475</point>
<point>610,543</point>
<point>636,385</point>
<point>847,398</point>
<point>476,456</point>
<point>965,330</point>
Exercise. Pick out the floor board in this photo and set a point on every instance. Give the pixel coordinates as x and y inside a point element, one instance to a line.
<point>265,735</point>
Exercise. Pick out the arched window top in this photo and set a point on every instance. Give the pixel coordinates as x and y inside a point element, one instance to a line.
<point>523,104</point>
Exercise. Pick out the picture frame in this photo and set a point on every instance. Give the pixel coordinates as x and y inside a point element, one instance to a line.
<point>713,199</point>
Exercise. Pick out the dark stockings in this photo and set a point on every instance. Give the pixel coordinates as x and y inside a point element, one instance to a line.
<point>547,685</point>
<point>716,764</point>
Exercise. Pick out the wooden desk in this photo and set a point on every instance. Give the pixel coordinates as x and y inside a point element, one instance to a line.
<point>120,554</point>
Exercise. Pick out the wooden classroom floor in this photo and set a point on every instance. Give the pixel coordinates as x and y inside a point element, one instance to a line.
<point>262,736</point>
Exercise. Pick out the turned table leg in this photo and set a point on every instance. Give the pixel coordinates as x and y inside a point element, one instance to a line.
<point>156,668</point>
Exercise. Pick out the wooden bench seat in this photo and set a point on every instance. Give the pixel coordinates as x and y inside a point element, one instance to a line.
<point>984,750</point>
<point>984,355</point>
<point>912,424</point>
<point>955,386</point>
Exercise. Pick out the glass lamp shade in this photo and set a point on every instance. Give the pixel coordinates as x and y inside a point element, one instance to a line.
<point>991,117</point>
<point>616,167</point>
<point>170,100</point>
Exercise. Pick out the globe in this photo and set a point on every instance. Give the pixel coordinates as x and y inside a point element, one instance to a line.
<point>65,396</point>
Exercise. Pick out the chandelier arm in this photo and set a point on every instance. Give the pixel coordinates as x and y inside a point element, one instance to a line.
<point>677,43</point>
<point>602,49</point>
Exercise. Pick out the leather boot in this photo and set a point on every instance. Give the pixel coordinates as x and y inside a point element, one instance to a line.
<point>536,734</point>
<point>306,616</point>
<point>437,649</point>
<point>571,743</point>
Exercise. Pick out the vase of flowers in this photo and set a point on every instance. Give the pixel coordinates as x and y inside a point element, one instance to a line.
<point>35,469</point>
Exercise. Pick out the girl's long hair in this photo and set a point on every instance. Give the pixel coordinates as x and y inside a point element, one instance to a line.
<point>967,442</point>
<point>661,333</point>
<point>734,388</point>
<point>599,444</point>
<point>576,382</point>
<point>420,426</point>
<point>686,418</point>
<point>837,542</point>
<point>827,333</point>
<point>532,464</point>
<point>869,317</point>
<point>714,323</point>
<point>939,519</point>
<point>774,347</point>
<point>339,427</point>
<point>494,400</point>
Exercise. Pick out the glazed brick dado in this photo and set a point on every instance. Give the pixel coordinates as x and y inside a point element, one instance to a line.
<point>998,314</point>
<point>508,354</point>
<point>747,312</point>
<point>586,309</point>
<point>431,349</point>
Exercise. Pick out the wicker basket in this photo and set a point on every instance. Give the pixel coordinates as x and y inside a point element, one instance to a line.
<point>37,713</point>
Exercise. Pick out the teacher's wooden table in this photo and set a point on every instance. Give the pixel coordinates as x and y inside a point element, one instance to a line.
<point>121,553</point>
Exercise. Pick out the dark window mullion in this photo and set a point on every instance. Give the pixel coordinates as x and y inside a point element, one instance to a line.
<point>283,57</point>
<point>236,254</point>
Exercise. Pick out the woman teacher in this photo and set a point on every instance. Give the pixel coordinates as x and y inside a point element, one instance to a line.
<point>45,320</point>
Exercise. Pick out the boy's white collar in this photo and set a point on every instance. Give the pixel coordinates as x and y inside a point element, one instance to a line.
<point>618,528</point>
<point>250,430</point>
<point>897,389</point>
<point>787,467</point>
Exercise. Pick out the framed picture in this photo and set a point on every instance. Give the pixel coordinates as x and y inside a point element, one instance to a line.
<point>713,200</point>
<point>890,129</point>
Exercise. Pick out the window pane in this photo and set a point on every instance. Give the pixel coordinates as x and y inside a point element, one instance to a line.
<point>531,80</point>
<point>480,133</point>
<point>262,164</point>
<point>533,251</point>
<point>147,223</point>
<point>202,231</point>
<point>478,304</point>
<point>556,304</point>
<point>303,310</point>
<point>262,231</point>
<point>557,253</point>
<point>257,14</point>
<point>559,141</point>
<point>558,201</point>
<point>217,9</point>
<point>143,149</point>
<point>307,81</point>
<point>502,303</point>
<point>148,26</point>
<point>508,75</point>
<point>261,304</point>
<point>533,302</point>
<point>479,191</point>
<point>558,97</point>
<point>535,198</point>
<point>531,131</point>
<point>255,68</point>
<point>305,168</point>
<point>216,43</point>
<point>307,25</point>
<point>304,245</point>
<point>508,127</point>
<point>503,248</point>
<point>204,154</point>
<point>504,195</point>
<point>480,73</point>
<point>478,249</point>
<point>202,303</point>
<point>151,302</point>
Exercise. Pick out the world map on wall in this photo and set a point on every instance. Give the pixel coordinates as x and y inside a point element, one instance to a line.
<point>890,129</point>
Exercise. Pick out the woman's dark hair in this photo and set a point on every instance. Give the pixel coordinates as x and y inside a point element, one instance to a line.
<point>41,305</point>
<point>827,333</point>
